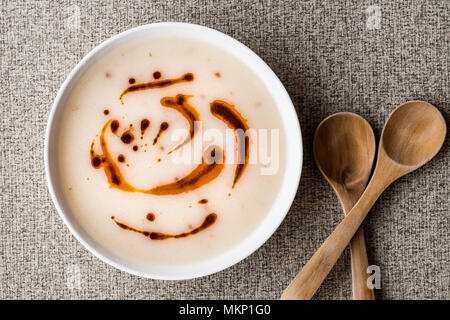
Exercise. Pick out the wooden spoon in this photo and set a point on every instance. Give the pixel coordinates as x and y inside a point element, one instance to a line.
<point>344,150</point>
<point>412,136</point>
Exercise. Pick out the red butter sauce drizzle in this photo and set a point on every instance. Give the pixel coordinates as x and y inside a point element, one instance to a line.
<point>234,120</point>
<point>145,123</point>
<point>204,173</point>
<point>127,137</point>
<point>106,161</point>
<point>163,127</point>
<point>156,75</point>
<point>180,104</point>
<point>187,77</point>
<point>209,220</point>
<point>114,126</point>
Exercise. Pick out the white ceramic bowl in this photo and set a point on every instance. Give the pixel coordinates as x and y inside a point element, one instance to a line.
<point>286,193</point>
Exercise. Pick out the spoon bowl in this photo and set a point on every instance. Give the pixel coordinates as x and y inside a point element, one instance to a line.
<point>344,150</point>
<point>414,133</point>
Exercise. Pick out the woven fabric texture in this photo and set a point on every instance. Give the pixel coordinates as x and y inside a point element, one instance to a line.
<point>363,56</point>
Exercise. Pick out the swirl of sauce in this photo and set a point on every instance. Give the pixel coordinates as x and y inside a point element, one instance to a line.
<point>180,104</point>
<point>187,77</point>
<point>209,220</point>
<point>212,161</point>
<point>163,127</point>
<point>112,171</point>
<point>234,120</point>
<point>205,172</point>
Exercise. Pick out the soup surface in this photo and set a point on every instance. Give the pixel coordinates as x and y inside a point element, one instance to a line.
<point>171,151</point>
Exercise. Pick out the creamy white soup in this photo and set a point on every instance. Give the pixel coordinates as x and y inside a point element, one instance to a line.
<point>171,151</point>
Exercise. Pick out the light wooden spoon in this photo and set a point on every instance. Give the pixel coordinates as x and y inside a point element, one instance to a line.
<point>344,150</point>
<point>412,136</point>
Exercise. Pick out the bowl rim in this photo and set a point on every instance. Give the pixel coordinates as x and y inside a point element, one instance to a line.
<point>279,209</point>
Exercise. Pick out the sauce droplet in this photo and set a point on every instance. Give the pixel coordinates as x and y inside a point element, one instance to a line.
<point>96,162</point>
<point>203,201</point>
<point>156,74</point>
<point>150,216</point>
<point>106,112</point>
<point>121,158</point>
<point>127,137</point>
<point>145,123</point>
<point>114,126</point>
<point>131,81</point>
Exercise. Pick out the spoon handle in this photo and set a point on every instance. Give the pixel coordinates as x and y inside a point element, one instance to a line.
<point>360,263</point>
<point>359,260</point>
<point>309,279</point>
